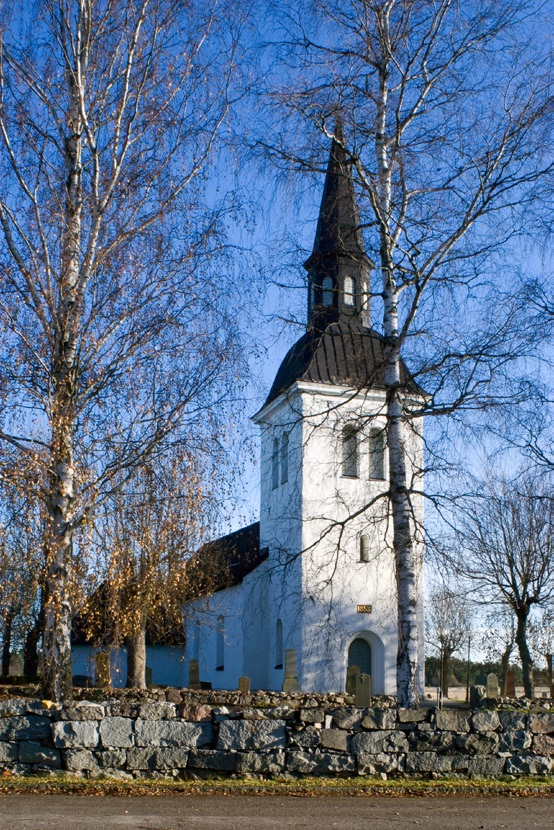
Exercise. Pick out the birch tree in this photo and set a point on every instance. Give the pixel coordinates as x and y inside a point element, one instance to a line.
<point>448,619</point>
<point>110,114</point>
<point>444,110</point>
<point>505,549</point>
<point>144,542</point>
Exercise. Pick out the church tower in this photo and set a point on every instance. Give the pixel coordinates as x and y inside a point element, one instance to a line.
<point>316,574</point>
<point>330,590</point>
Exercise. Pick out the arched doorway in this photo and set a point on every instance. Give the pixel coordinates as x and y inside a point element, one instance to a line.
<point>359,654</point>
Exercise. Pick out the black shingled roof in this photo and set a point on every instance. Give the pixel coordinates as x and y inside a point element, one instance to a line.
<point>338,228</point>
<point>344,354</point>
<point>236,555</point>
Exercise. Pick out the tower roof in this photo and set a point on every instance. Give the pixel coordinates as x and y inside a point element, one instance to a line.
<point>338,267</point>
<point>339,347</point>
<point>345,354</point>
<point>338,226</point>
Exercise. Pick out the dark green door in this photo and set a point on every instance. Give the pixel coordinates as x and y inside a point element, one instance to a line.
<point>359,654</point>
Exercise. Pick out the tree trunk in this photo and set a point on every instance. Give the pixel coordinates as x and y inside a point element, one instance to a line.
<point>505,662</point>
<point>401,507</point>
<point>403,538</point>
<point>56,644</point>
<point>524,653</point>
<point>56,678</point>
<point>7,642</point>
<point>136,659</point>
<point>405,562</point>
<point>445,670</point>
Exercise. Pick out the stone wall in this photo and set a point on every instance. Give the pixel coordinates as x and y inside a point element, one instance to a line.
<point>299,735</point>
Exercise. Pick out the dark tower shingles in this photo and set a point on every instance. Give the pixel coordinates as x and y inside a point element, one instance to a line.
<point>338,249</point>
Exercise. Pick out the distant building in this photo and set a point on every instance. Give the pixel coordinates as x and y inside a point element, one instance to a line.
<point>94,635</point>
<point>316,574</point>
<point>165,665</point>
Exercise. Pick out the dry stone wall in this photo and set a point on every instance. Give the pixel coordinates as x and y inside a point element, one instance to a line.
<point>291,736</point>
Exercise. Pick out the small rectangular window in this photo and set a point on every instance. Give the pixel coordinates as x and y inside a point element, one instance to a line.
<point>279,645</point>
<point>349,291</point>
<point>220,644</point>
<point>327,291</point>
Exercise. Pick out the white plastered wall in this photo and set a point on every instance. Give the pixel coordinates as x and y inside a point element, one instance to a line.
<point>281,533</point>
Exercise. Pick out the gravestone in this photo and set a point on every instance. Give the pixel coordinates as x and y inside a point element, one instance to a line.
<point>352,674</point>
<point>510,684</point>
<point>478,692</point>
<point>148,676</point>
<point>290,683</point>
<point>244,684</point>
<point>194,675</point>
<point>492,685</point>
<point>363,690</point>
<point>477,696</point>
<point>103,673</point>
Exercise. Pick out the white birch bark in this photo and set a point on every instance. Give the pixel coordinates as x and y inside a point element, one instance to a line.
<point>402,513</point>
<point>58,542</point>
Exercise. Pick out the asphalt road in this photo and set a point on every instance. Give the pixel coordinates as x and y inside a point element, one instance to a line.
<point>216,812</point>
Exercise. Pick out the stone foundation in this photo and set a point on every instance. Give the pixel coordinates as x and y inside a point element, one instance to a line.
<point>197,734</point>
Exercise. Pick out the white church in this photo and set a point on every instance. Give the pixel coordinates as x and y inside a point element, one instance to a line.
<point>316,574</point>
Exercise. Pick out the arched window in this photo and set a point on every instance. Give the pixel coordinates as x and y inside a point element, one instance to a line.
<point>275,464</point>
<point>220,644</point>
<point>350,451</point>
<point>327,294</point>
<point>377,446</point>
<point>349,291</point>
<point>284,458</point>
<point>364,548</point>
<point>279,645</point>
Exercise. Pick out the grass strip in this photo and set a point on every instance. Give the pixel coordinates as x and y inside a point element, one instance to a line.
<point>305,787</point>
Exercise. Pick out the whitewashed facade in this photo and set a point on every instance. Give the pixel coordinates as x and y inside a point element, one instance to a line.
<point>306,594</point>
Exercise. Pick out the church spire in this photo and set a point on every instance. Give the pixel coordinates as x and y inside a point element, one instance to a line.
<point>338,267</point>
